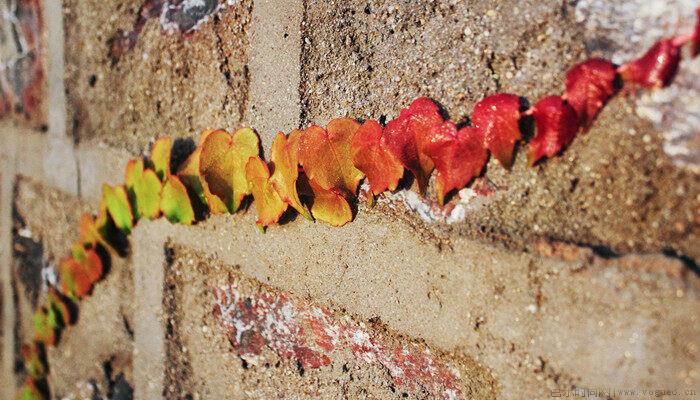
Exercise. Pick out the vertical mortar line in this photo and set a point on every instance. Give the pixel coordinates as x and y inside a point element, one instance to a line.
<point>7,178</point>
<point>60,165</point>
<point>274,40</point>
<point>303,75</point>
<point>148,257</point>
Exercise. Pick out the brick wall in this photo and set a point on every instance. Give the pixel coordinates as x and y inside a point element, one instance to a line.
<point>580,273</point>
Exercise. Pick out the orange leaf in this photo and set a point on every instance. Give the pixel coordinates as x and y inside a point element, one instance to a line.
<point>497,117</point>
<point>222,164</point>
<point>284,157</point>
<point>191,178</point>
<point>371,155</point>
<point>325,155</point>
<point>90,234</point>
<point>407,135</point>
<point>79,272</point>
<point>267,201</point>
<point>459,156</point>
<point>160,156</point>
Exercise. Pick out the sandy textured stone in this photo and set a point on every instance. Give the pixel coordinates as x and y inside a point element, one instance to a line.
<point>367,59</point>
<point>167,84</point>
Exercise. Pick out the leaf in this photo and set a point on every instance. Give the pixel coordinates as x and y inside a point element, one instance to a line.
<point>160,157</point>
<point>656,68</point>
<point>267,201</point>
<point>116,201</point>
<point>328,205</point>
<point>406,137</point>
<point>497,118</point>
<point>29,391</point>
<point>222,165</point>
<point>284,156</point>
<point>90,235</point>
<point>325,155</point>
<point>143,189</point>
<point>191,178</point>
<point>557,123</point>
<point>79,272</point>
<point>46,326</point>
<point>589,85</point>
<point>61,305</point>
<point>175,203</point>
<point>33,357</point>
<point>370,154</point>
<point>459,156</point>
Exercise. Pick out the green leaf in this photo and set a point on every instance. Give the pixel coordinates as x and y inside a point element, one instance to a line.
<point>116,201</point>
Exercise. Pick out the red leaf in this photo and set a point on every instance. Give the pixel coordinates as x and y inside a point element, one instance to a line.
<point>407,134</point>
<point>556,123</point>
<point>695,46</point>
<point>370,155</point>
<point>459,156</point>
<point>656,68</point>
<point>496,117</point>
<point>589,85</point>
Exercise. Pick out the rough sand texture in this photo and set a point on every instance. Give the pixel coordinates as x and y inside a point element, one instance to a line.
<point>537,323</point>
<point>366,59</point>
<point>166,85</point>
<point>203,364</point>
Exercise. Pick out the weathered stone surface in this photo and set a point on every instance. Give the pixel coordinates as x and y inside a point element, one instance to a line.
<point>614,188</point>
<point>555,319</point>
<point>166,84</point>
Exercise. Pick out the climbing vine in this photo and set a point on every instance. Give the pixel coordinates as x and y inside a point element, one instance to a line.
<point>317,172</point>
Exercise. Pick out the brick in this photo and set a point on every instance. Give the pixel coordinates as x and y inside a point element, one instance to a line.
<point>367,59</point>
<point>230,334</point>
<point>167,83</point>
<point>23,77</point>
<point>536,323</point>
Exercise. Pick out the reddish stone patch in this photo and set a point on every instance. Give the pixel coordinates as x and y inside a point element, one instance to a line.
<point>313,336</point>
<point>22,75</point>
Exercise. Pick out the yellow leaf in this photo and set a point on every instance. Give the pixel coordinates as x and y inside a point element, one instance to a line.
<point>190,177</point>
<point>327,205</point>
<point>176,204</point>
<point>160,156</point>
<point>222,164</point>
